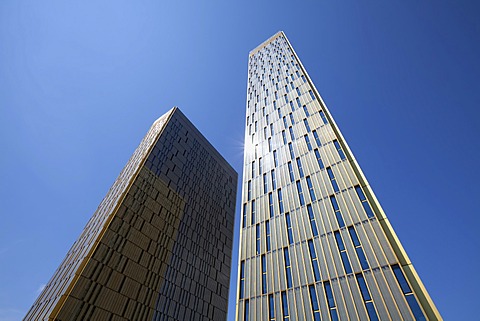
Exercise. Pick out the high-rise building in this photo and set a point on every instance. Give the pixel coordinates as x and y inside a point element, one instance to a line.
<point>315,243</point>
<point>159,245</point>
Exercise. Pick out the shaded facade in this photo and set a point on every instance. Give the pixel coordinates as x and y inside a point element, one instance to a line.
<point>159,245</point>
<point>315,243</point>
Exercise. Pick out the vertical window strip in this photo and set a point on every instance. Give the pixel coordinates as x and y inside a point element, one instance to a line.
<point>319,159</point>
<point>285,122</point>
<point>270,204</point>
<point>409,296</point>
<point>314,260</point>
<point>265,184</point>
<point>292,135</point>
<point>271,308</point>
<point>257,238</point>
<point>305,109</point>
<point>284,137</point>
<point>307,126</point>
<point>291,106</point>
<point>317,139</point>
<point>311,94</point>
<point>290,148</point>
<point>286,315</point>
<point>314,302</point>
<point>290,171</point>
<point>358,248</point>
<point>367,299</point>
<point>339,149</point>
<point>249,190</point>
<point>264,274</point>
<point>253,212</point>
<point>300,168</point>
<point>298,102</point>
<point>280,200</point>
<point>333,181</point>
<point>241,286</point>
<point>289,228</point>
<point>288,267</point>
<point>275,158</point>
<point>313,223</point>
<point>310,189</point>
<point>307,141</point>
<point>246,310</point>
<point>336,209</point>
<point>244,215</point>
<point>300,193</point>
<point>274,180</point>
<point>324,118</point>
<point>267,235</point>
<point>330,300</point>
<point>363,199</point>
<point>343,253</point>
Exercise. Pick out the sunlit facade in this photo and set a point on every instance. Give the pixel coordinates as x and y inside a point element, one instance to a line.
<point>159,245</point>
<point>315,243</point>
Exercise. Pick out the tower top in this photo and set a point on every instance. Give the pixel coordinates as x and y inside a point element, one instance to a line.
<point>266,42</point>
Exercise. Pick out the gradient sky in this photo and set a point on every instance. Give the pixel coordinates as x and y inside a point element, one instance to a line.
<point>82,81</point>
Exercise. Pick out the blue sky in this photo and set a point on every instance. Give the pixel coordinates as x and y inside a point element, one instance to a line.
<point>82,81</point>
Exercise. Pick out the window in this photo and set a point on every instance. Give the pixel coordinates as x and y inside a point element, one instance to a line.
<point>304,79</point>
<point>290,148</point>
<point>269,144</point>
<point>358,248</point>
<point>270,204</point>
<point>292,120</point>
<point>249,190</point>
<point>279,113</point>
<point>271,308</point>
<point>317,139</point>
<point>300,193</point>
<point>286,88</point>
<point>324,118</point>
<point>310,189</point>
<point>280,200</point>
<point>260,166</point>
<point>285,122</point>
<point>290,171</point>
<point>271,129</point>
<point>256,126</point>
<point>288,267</point>
<point>314,301</point>
<point>291,85</point>
<point>313,257</point>
<point>264,274</point>
<point>291,106</point>
<point>338,214</point>
<point>292,135</point>
<point>253,212</point>
<point>265,184</point>
<point>409,296</point>
<point>244,215</point>
<point>330,301</point>
<point>319,158</point>
<point>284,137</point>
<point>307,141</point>
<point>313,224</point>
<point>275,159</point>
<point>253,169</point>
<point>367,298</point>
<point>333,180</point>
<point>274,181</point>
<point>267,234</point>
<point>264,132</point>
<point>307,126</point>
<point>298,102</point>
<point>364,201</point>
<point>257,243</point>
<point>241,287</point>
<point>305,110</point>
<point>286,316</point>
<point>289,228</point>
<point>286,99</point>
<point>246,310</point>
<point>311,94</point>
<point>339,149</point>
<point>343,253</point>
<point>298,92</point>
<point>300,168</point>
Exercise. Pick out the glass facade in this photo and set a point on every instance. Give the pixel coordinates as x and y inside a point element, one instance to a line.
<point>331,250</point>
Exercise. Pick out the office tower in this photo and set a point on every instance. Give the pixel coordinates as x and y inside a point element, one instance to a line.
<point>159,245</point>
<point>315,243</point>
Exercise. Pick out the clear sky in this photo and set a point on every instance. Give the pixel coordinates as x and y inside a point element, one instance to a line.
<point>82,81</point>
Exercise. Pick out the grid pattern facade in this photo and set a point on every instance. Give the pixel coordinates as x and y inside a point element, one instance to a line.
<point>314,241</point>
<point>159,245</point>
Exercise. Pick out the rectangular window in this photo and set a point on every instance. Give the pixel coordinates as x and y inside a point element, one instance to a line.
<point>313,258</point>
<point>288,267</point>
<point>271,308</point>
<point>298,92</point>
<point>275,159</point>
<point>311,217</point>
<point>290,148</point>
<point>311,94</point>
<point>279,113</point>
<point>286,87</point>
<point>275,102</point>
<point>292,135</point>
<point>314,301</point>
<point>269,144</point>
<point>336,209</point>
<point>256,126</point>
<point>286,316</point>
<point>305,110</point>
<point>319,158</point>
<point>257,233</point>
<point>274,180</point>
<point>367,298</point>
<point>304,79</point>
<point>409,296</point>
<point>284,137</point>
<point>333,180</point>
<point>364,201</point>
<point>291,106</point>
<point>300,168</point>
<point>289,228</point>
<point>339,149</point>
<point>286,98</point>
<point>300,193</point>
<point>241,286</point>
<point>330,301</point>
<point>358,248</point>
<point>249,190</point>
<point>292,120</point>
<point>246,311</point>
<point>253,212</point>
<point>271,130</point>
<point>290,171</point>
<point>310,189</point>
<point>280,200</point>
<point>343,253</point>
<point>267,233</point>
<point>253,169</point>
<point>307,141</point>
<point>317,139</point>
<point>285,122</point>
<point>260,166</point>
<point>244,217</point>
<point>270,204</point>
<point>324,118</point>
<point>265,184</point>
<point>298,102</point>
<point>264,132</point>
<point>264,274</point>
